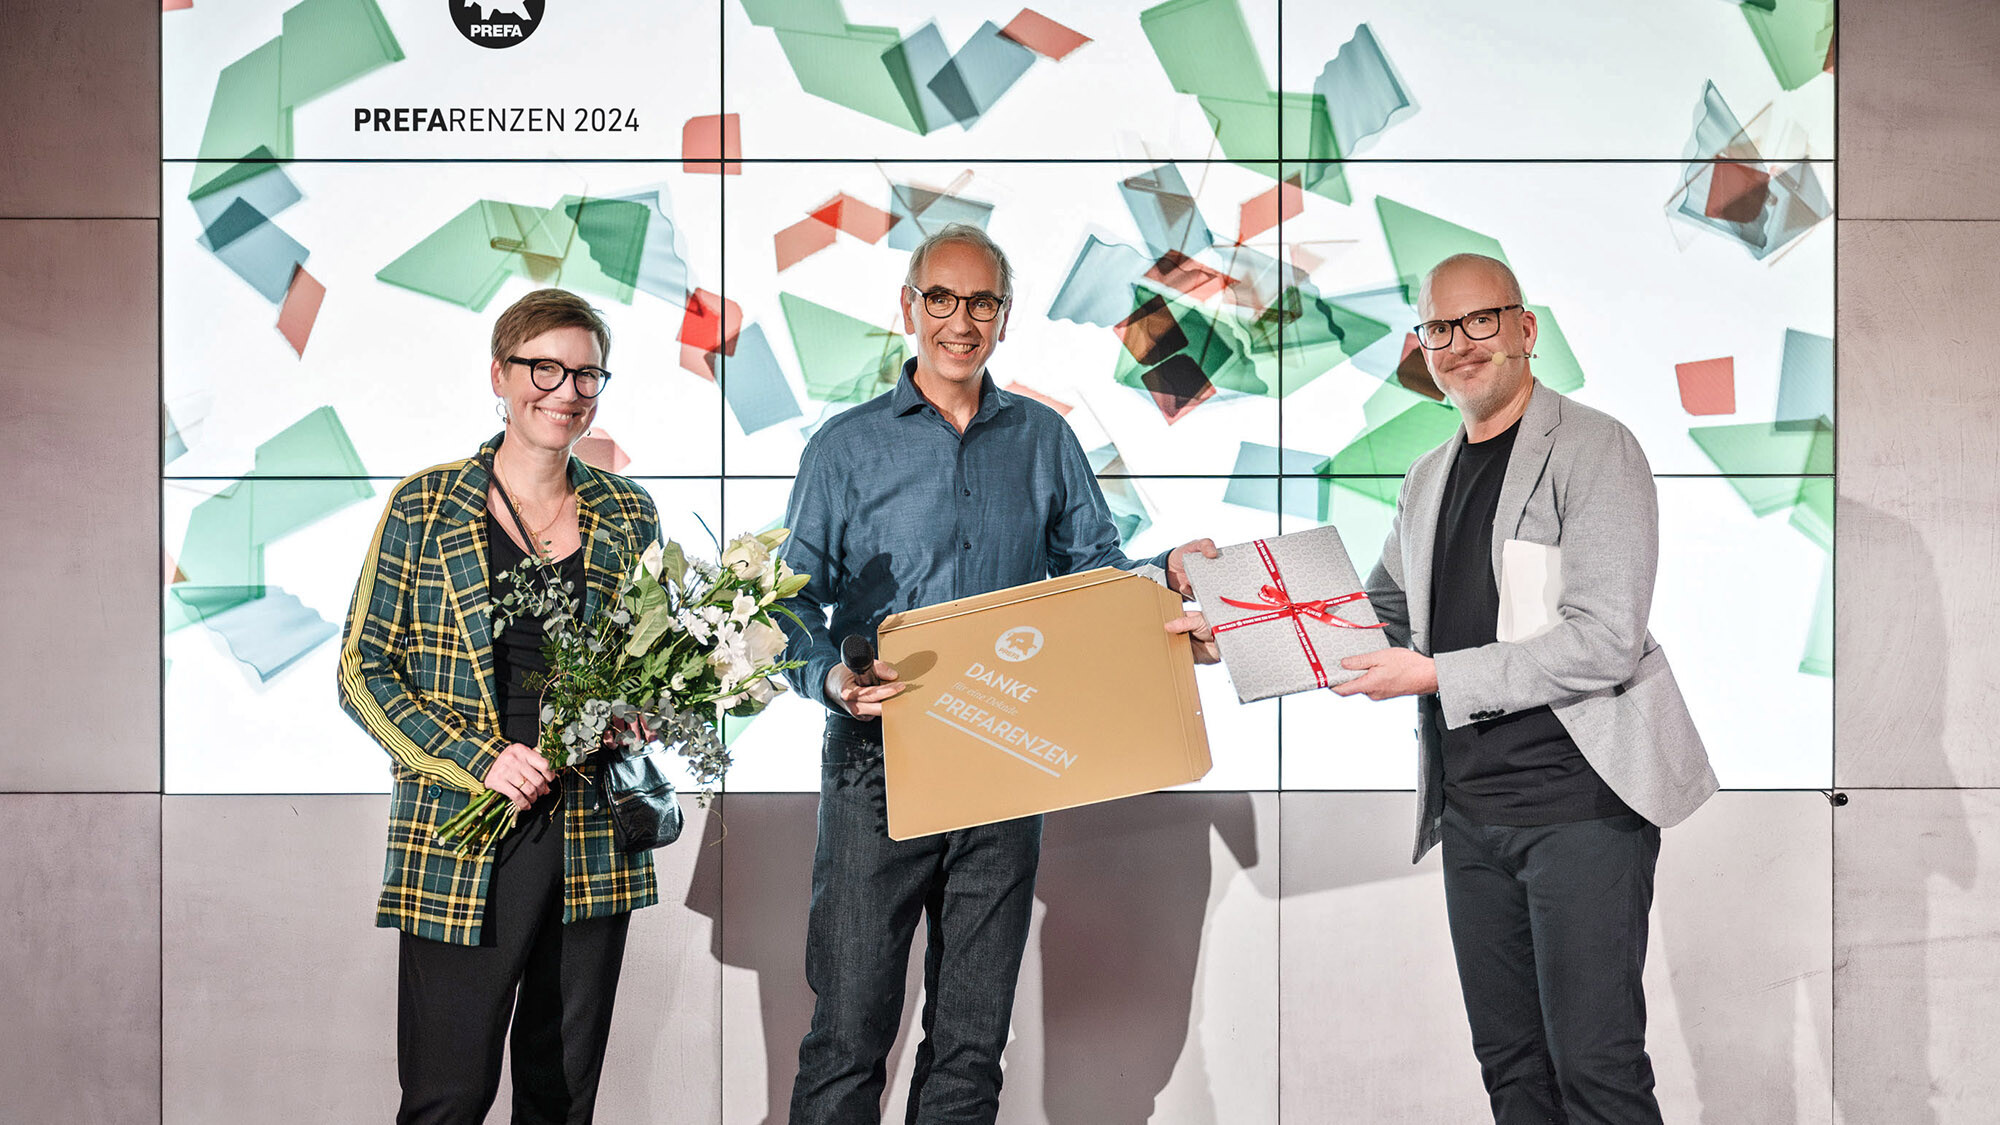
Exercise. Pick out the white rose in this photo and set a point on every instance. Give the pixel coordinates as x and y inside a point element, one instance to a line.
<point>746,557</point>
<point>762,644</point>
<point>654,559</point>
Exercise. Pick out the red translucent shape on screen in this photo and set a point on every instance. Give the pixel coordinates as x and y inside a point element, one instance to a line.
<point>1055,404</point>
<point>1042,35</point>
<point>170,570</point>
<point>599,450</point>
<point>705,140</point>
<point>711,323</point>
<point>1184,274</point>
<point>1267,210</point>
<point>800,241</point>
<point>1737,192</point>
<point>1708,386</point>
<point>1304,259</point>
<point>844,212</point>
<point>1151,333</point>
<point>175,5</point>
<point>1829,53</point>
<point>700,362</point>
<point>1178,386</point>
<point>301,308</point>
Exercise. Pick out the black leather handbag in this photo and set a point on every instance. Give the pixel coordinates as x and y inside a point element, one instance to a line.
<point>635,785</point>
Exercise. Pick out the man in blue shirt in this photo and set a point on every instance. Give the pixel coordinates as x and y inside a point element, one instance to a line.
<point>942,488</point>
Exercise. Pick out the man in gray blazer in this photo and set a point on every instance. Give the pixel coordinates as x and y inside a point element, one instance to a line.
<point>1549,762</point>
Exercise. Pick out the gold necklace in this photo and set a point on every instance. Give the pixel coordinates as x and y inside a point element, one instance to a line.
<point>538,535</point>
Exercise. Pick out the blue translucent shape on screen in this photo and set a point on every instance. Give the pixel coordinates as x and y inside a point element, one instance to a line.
<point>1362,92</point>
<point>269,191</point>
<point>1761,217</point>
<point>172,445</point>
<point>255,248</point>
<point>922,212</point>
<point>913,64</point>
<point>1805,382</point>
<point>1121,495</point>
<point>268,632</point>
<point>754,385</point>
<point>1165,211</point>
<point>983,70</point>
<point>1098,289</point>
<point>1254,484</point>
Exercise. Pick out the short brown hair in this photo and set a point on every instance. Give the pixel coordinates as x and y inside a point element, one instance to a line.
<point>546,310</point>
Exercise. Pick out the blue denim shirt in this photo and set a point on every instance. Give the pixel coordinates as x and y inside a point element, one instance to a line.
<point>894,509</point>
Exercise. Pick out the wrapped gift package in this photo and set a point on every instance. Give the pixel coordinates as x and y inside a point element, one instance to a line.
<point>1037,698</point>
<point>1286,612</point>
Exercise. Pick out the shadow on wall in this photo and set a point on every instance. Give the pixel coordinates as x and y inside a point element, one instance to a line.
<point>1735,969</point>
<point>1126,890</point>
<point>1894,638</point>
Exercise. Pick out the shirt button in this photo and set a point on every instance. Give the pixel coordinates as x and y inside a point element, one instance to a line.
<point>967,491</point>
<point>967,544</point>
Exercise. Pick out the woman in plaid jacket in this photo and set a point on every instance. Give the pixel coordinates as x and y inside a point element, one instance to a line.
<point>544,908</point>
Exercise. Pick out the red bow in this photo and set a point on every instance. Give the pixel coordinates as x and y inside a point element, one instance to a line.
<point>1278,601</point>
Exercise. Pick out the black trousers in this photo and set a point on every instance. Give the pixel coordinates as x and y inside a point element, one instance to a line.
<point>1549,927</point>
<point>556,983</point>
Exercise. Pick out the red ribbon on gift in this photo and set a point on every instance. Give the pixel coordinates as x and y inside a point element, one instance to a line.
<point>1278,601</point>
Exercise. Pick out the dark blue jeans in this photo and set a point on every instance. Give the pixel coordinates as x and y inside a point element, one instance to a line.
<point>976,888</point>
<point>1549,927</point>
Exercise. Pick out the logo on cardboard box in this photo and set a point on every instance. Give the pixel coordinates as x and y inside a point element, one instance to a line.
<point>1019,643</point>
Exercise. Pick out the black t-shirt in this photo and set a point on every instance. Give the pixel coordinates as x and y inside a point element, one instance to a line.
<point>1523,768</point>
<point>517,650</point>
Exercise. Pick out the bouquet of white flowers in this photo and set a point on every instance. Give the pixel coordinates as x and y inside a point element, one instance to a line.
<point>685,641</point>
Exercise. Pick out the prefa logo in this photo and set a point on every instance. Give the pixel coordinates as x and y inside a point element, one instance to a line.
<point>1019,643</point>
<point>496,23</point>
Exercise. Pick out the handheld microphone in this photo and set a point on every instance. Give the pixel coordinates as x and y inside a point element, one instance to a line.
<point>859,656</point>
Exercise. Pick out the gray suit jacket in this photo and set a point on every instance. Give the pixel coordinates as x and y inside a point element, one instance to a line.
<point>1577,479</point>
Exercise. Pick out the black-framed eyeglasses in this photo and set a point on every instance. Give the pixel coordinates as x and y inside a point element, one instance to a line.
<point>548,374</point>
<point>1479,324</point>
<point>942,302</point>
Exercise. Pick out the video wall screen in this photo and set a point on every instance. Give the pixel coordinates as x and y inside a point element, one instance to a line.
<point>1217,212</point>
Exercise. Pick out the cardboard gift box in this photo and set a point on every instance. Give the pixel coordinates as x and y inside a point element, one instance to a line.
<point>1286,612</point>
<point>1036,698</point>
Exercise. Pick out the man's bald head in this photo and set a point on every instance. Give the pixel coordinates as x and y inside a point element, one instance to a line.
<point>1494,267</point>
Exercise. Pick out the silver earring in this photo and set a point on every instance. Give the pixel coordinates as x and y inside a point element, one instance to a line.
<point>500,408</point>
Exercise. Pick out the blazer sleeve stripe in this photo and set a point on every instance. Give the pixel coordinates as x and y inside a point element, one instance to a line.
<point>361,702</point>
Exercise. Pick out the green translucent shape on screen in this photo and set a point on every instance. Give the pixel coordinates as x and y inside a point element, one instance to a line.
<point>826,17</point>
<point>455,263</point>
<point>1206,49</point>
<point>222,554</point>
<point>1419,240</point>
<point>1402,426</point>
<point>1782,455</point>
<point>613,231</point>
<point>1813,517</point>
<point>1318,335</point>
<point>249,122</point>
<point>1555,364</point>
<point>328,43</point>
<point>1795,36</point>
<point>842,359</point>
<point>850,69</point>
<point>1818,658</point>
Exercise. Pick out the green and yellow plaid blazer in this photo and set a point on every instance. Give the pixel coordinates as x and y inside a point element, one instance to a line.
<point>416,671</point>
